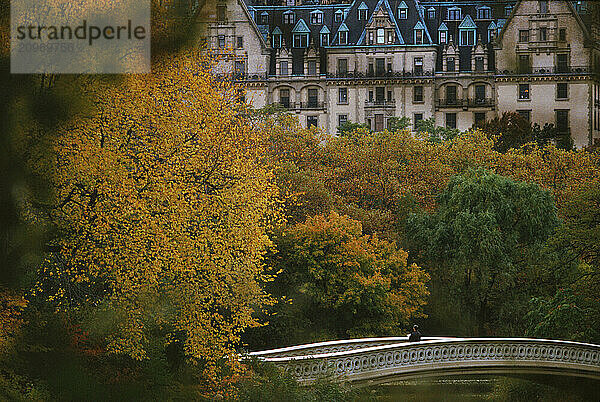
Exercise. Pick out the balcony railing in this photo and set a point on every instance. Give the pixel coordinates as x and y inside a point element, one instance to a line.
<point>287,105</point>
<point>549,70</point>
<point>481,102</point>
<point>312,105</point>
<point>450,103</point>
<point>380,103</point>
<point>379,74</point>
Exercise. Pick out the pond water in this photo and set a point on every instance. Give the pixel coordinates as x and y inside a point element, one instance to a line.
<point>487,388</point>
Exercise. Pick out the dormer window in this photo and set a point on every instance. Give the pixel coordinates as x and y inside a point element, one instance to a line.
<point>300,34</point>
<point>454,13</point>
<point>431,13</point>
<point>418,36</point>
<point>380,36</point>
<point>507,10</point>
<point>443,37</point>
<point>337,17</point>
<point>300,40</point>
<point>264,18</point>
<point>402,11</point>
<point>324,33</point>
<point>363,11</point>
<point>316,17</point>
<point>467,30</point>
<point>343,38</point>
<point>484,13</point>
<point>276,37</point>
<point>289,17</point>
<point>543,6</point>
<point>343,34</point>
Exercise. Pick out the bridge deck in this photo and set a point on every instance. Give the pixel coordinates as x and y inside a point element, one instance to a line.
<point>387,359</point>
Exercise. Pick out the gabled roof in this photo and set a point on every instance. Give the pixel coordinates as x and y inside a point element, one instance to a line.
<point>343,28</point>
<point>301,27</point>
<point>324,30</point>
<point>492,25</point>
<point>467,23</point>
<point>443,27</point>
<point>316,11</point>
<point>402,4</point>
<point>419,25</point>
<point>277,31</point>
<point>363,6</point>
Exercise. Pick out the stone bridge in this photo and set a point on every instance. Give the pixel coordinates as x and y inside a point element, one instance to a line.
<point>380,360</point>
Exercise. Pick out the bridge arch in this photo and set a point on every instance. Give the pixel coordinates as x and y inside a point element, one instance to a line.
<point>380,360</point>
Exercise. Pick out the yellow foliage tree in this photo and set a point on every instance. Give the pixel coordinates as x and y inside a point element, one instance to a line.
<point>162,205</point>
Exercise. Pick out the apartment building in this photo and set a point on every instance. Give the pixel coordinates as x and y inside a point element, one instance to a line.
<point>457,61</point>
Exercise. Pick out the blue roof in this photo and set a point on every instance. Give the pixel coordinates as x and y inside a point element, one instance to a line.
<point>325,30</point>
<point>343,28</point>
<point>363,6</point>
<point>467,23</point>
<point>301,27</point>
<point>419,25</point>
<point>277,31</point>
<point>443,27</point>
<point>402,5</point>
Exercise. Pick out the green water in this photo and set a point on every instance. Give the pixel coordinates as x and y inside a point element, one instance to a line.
<point>487,388</point>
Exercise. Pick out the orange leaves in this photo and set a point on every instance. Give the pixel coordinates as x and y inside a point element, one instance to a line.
<point>164,198</point>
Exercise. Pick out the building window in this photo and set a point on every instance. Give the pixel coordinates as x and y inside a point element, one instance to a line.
<point>343,95</point>
<point>431,13</point>
<point>402,13</point>
<point>313,98</point>
<point>342,66</point>
<point>523,35</point>
<point>283,68</point>
<point>221,41</point>
<point>284,98</point>
<point>221,13</point>
<point>240,68</point>
<point>312,67</point>
<point>507,10</point>
<point>240,42</point>
<point>526,114</point>
<point>562,121</point>
<point>451,95</point>
<point>544,7</point>
<point>316,18</point>
<point>483,13</point>
<point>417,118</point>
<point>418,94</point>
<point>543,34</point>
<point>418,66</point>
<point>338,16</point>
<point>479,65</point>
<point>264,18</point>
<point>562,63</point>
<point>479,93</point>
<point>562,90</point>
<point>524,64</point>
<point>450,120</point>
<point>443,37</point>
<point>418,36</point>
<point>311,121</point>
<point>289,18</point>
<point>523,91</point>
<point>362,13</point>
<point>390,36</point>
<point>479,119</point>
<point>300,40</point>
<point>450,64</point>
<point>343,38</point>
<point>454,14</point>
<point>380,36</point>
<point>342,119</point>
<point>562,34</point>
<point>277,41</point>
<point>379,94</point>
<point>467,37</point>
<point>325,39</point>
<point>380,67</point>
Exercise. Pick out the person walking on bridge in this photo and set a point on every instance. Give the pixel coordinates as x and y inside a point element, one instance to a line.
<point>415,335</point>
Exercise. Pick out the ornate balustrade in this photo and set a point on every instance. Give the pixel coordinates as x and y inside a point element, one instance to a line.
<point>333,346</point>
<point>367,361</point>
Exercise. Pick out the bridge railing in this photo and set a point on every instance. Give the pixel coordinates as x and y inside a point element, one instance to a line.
<point>333,346</point>
<point>449,355</point>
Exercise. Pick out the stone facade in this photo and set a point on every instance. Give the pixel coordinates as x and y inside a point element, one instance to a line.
<point>459,62</point>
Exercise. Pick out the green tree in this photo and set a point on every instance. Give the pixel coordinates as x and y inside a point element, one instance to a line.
<point>398,123</point>
<point>481,234</point>
<point>340,283</point>
<point>435,133</point>
<point>349,127</point>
